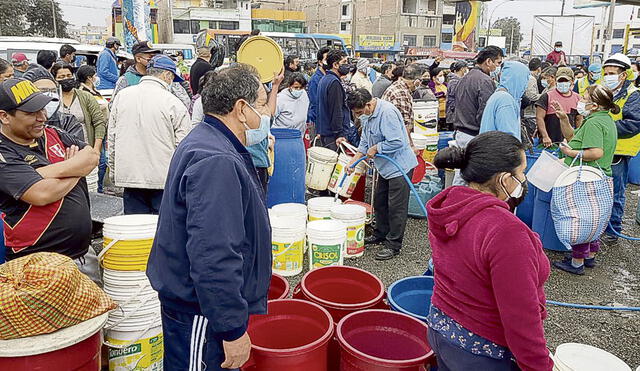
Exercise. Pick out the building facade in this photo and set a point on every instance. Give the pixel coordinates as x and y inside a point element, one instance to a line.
<point>616,44</point>
<point>404,23</point>
<point>93,35</point>
<point>192,16</point>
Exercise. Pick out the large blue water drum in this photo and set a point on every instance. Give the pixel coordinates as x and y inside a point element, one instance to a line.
<point>634,170</point>
<point>287,183</point>
<point>443,139</point>
<point>543,222</point>
<point>525,209</point>
<point>412,296</point>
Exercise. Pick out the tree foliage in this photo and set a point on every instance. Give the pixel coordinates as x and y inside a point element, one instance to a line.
<point>509,26</point>
<point>32,18</point>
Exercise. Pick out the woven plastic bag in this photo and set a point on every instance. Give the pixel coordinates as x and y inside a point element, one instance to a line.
<point>44,292</point>
<point>581,210</point>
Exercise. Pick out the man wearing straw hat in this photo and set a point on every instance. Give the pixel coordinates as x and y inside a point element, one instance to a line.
<point>43,193</point>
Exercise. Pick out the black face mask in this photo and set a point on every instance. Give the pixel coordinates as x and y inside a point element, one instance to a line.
<point>67,84</point>
<point>344,69</point>
<point>425,81</point>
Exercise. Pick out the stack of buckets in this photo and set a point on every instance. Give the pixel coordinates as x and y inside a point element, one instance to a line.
<point>134,330</point>
<point>288,228</point>
<point>92,181</point>
<point>325,170</point>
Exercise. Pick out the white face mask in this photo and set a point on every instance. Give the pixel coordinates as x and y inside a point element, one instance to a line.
<point>582,109</point>
<point>53,106</point>
<point>255,136</point>
<point>441,79</point>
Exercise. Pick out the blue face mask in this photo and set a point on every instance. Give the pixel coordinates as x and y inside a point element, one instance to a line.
<point>364,117</point>
<point>496,73</point>
<point>611,81</point>
<point>563,87</point>
<point>296,93</point>
<point>255,136</point>
<point>544,83</point>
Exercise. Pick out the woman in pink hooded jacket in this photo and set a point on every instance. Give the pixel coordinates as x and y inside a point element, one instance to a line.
<point>488,302</point>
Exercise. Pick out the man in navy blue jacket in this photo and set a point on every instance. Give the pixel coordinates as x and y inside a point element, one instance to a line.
<point>312,89</point>
<point>107,66</point>
<point>333,119</point>
<point>211,258</point>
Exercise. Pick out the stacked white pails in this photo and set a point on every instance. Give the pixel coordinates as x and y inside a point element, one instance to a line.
<point>353,217</point>
<point>583,357</point>
<point>133,331</point>
<point>320,207</point>
<point>92,180</point>
<point>288,226</point>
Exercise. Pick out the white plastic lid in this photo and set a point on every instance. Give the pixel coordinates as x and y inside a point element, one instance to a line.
<point>322,203</point>
<point>348,212</point>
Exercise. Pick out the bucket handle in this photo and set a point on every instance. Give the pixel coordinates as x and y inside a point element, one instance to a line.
<point>155,320</point>
<point>126,317</point>
<point>285,250</point>
<point>106,248</point>
<point>353,149</point>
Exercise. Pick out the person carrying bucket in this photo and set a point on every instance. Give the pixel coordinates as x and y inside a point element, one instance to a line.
<point>595,141</point>
<point>211,258</point>
<point>488,302</point>
<point>383,132</point>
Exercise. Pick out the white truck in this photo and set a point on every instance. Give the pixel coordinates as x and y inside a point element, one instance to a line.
<point>575,32</point>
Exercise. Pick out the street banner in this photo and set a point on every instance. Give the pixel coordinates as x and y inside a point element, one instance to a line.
<point>136,19</point>
<point>467,17</point>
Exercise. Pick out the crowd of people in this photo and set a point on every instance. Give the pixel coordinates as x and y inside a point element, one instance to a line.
<point>173,145</point>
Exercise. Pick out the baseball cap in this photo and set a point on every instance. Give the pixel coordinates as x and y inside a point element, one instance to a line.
<point>595,67</point>
<point>558,43</point>
<point>618,60</point>
<point>165,63</point>
<point>113,41</point>
<point>22,95</point>
<point>143,47</point>
<point>19,58</point>
<point>565,72</point>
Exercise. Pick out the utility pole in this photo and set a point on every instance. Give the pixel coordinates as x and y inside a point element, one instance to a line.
<point>165,21</point>
<point>511,43</point>
<point>55,22</point>
<point>562,9</point>
<point>353,26</point>
<point>612,8</point>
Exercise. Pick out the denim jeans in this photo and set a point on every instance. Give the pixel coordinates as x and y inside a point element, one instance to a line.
<point>102,167</point>
<point>620,170</point>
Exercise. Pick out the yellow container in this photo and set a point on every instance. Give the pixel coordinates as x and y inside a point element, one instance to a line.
<point>134,351</point>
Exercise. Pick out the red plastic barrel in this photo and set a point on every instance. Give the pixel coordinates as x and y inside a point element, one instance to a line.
<point>381,340</point>
<point>279,288</point>
<point>341,290</point>
<point>293,336</point>
<point>75,348</point>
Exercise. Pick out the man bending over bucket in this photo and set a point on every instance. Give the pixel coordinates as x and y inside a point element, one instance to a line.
<point>383,132</point>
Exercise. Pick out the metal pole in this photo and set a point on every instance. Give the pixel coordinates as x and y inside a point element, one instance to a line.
<point>486,43</point>
<point>612,7</point>
<point>55,23</point>
<point>562,10</point>
<point>353,26</point>
<point>511,43</point>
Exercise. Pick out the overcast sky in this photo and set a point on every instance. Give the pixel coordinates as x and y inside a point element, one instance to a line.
<point>79,13</point>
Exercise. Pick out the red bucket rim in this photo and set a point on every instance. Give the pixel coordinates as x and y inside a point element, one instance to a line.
<point>334,305</point>
<point>358,354</point>
<point>287,287</point>
<point>308,347</point>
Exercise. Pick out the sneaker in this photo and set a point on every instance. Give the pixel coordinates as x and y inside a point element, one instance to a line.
<point>386,253</point>
<point>609,239</point>
<point>569,268</point>
<point>589,263</point>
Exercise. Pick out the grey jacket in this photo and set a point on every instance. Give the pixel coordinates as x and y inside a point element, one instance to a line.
<point>451,96</point>
<point>533,95</point>
<point>472,93</point>
<point>380,86</point>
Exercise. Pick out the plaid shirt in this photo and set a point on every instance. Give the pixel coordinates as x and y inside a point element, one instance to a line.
<point>400,96</point>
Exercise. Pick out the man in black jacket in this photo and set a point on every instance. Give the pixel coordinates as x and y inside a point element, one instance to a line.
<point>199,68</point>
<point>472,93</point>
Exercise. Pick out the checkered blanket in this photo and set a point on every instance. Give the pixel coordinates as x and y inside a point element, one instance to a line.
<point>43,292</point>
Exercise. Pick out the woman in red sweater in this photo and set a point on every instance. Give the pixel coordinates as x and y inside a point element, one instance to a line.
<point>488,303</point>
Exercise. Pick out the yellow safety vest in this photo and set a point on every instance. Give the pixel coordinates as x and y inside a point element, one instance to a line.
<point>584,83</point>
<point>629,146</point>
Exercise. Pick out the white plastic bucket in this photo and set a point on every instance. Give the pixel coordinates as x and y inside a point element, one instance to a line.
<point>351,181</point>
<point>425,117</point>
<point>353,216</point>
<point>138,303</point>
<point>326,243</point>
<point>320,164</point>
<point>431,147</point>
<point>92,180</point>
<point>320,207</point>
<point>583,357</point>
<point>139,350</point>
<point>127,242</point>
<point>545,171</point>
<point>419,141</point>
<point>287,245</point>
<point>293,210</point>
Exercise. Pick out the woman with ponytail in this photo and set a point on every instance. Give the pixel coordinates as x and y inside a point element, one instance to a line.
<point>596,141</point>
<point>488,302</point>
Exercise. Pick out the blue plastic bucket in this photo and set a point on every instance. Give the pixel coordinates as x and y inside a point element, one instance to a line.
<point>443,142</point>
<point>525,209</point>
<point>543,222</point>
<point>287,183</point>
<point>412,296</point>
<point>634,170</point>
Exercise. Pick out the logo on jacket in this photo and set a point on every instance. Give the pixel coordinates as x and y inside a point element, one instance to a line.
<point>57,150</point>
<point>30,159</point>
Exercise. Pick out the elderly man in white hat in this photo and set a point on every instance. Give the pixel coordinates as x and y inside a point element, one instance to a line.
<point>361,77</point>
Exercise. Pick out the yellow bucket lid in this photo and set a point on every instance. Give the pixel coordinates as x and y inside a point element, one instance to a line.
<point>264,54</point>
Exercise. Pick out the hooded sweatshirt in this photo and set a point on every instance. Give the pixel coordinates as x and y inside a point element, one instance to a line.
<point>491,272</point>
<point>502,112</point>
